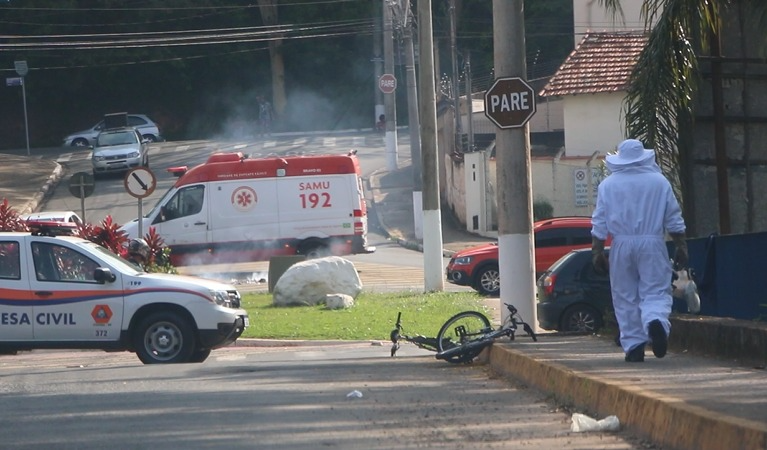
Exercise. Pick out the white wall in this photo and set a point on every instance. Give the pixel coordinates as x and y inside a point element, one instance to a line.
<point>589,16</point>
<point>593,122</point>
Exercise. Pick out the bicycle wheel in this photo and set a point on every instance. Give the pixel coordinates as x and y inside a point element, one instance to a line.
<point>459,330</point>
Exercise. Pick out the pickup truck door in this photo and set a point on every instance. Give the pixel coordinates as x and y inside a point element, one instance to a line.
<point>15,297</point>
<point>69,303</point>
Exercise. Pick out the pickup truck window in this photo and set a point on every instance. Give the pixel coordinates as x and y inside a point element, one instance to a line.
<point>58,263</point>
<point>10,265</point>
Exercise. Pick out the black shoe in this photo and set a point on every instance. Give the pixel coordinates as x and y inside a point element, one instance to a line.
<point>659,338</point>
<point>636,354</point>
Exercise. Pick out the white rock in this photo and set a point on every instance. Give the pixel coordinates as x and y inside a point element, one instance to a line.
<point>309,282</point>
<point>338,301</point>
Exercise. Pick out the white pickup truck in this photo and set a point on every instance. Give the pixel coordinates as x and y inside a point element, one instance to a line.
<point>63,292</point>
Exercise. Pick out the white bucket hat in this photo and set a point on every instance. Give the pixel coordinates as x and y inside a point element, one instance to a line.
<point>630,151</point>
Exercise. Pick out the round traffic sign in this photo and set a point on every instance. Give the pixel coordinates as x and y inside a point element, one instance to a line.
<point>81,184</point>
<point>510,102</point>
<point>387,83</point>
<point>140,182</point>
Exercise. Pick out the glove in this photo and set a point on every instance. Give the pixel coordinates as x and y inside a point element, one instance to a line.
<point>598,257</point>
<point>680,254</point>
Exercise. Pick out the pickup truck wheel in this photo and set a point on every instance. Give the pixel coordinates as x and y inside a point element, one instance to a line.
<point>488,281</point>
<point>199,355</point>
<point>164,338</point>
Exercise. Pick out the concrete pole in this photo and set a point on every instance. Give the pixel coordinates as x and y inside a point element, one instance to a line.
<point>455,84</point>
<point>516,256</point>
<point>378,66</point>
<point>390,100</point>
<point>414,123</point>
<point>433,272</point>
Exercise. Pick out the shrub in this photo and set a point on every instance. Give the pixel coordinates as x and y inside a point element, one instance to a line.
<point>9,218</point>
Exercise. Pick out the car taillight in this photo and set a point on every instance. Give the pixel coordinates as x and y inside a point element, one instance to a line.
<point>547,283</point>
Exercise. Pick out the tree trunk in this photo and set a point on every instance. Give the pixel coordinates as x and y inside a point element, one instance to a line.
<point>268,10</point>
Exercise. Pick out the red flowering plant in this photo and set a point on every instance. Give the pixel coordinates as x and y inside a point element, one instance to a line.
<point>107,234</point>
<point>10,219</point>
<point>159,254</point>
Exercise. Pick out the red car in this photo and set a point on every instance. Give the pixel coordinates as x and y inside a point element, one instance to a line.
<point>478,266</point>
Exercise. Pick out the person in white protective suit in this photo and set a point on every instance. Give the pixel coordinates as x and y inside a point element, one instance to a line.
<point>636,206</point>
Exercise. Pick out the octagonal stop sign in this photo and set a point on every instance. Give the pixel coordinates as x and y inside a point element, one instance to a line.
<point>510,102</point>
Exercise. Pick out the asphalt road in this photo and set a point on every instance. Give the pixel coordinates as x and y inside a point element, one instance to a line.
<point>277,398</point>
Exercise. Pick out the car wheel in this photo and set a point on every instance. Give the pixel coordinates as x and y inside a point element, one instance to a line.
<point>581,318</point>
<point>80,142</point>
<point>315,251</point>
<point>164,338</point>
<point>488,281</point>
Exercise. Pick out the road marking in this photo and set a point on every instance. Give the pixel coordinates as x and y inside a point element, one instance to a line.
<point>239,146</point>
<point>329,142</point>
<point>64,157</point>
<point>358,141</point>
<point>181,148</point>
<point>301,141</point>
<point>268,144</point>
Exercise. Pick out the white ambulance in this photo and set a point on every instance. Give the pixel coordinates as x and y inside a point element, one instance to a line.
<point>234,208</point>
<point>66,292</point>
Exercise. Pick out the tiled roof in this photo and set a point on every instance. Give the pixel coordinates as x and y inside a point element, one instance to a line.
<point>602,62</point>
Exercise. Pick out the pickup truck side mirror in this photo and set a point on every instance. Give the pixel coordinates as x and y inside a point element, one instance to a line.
<point>103,275</point>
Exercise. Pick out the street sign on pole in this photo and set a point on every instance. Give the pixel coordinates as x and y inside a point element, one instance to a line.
<point>82,185</point>
<point>510,102</point>
<point>140,183</point>
<point>387,83</point>
<point>21,67</point>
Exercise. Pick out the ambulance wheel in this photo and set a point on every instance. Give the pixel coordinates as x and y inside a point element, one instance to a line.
<point>200,355</point>
<point>164,338</point>
<point>316,251</point>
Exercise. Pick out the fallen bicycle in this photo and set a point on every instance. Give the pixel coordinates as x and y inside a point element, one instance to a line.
<point>463,337</point>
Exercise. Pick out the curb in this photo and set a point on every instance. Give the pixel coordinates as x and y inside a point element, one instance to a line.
<point>663,419</point>
<point>52,181</point>
<point>250,342</point>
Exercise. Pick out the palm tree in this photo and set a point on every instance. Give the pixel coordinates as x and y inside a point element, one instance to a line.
<point>664,84</point>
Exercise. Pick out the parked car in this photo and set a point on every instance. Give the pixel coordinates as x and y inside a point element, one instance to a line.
<point>478,266</point>
<point>148,129</point>
<point>572,296</point>
<point>60,222</point>
<point>119,149</point>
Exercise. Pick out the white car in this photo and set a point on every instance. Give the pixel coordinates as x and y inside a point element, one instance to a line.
<point>119,150</point>
<point>148,129</point>
<point>67,292</point>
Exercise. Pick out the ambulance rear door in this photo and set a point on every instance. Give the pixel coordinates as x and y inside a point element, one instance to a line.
<point>317,205</point>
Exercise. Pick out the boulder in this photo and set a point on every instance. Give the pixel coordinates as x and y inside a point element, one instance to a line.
<point>338,301</point>
<point>309,282</point>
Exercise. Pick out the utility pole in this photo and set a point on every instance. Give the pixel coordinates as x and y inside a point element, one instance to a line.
<point>455,84</point>
<point>378,66</point>
<point>434,277</point>
<point>390,100</point>
<point>404,19</point>
<point>470,106</point>
<point>516,257</point>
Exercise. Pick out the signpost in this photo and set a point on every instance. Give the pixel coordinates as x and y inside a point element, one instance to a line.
<point>22,69</point>
<point>510,102</point>
<point>82,185</point>
<point>140,183</point>
<point>387,83</point>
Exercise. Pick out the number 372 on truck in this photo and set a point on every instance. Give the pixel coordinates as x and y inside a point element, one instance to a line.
<point>236,208</point>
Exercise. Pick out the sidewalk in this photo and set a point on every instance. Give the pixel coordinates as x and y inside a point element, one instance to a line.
<point>683,401</point>
<point>708,393</point>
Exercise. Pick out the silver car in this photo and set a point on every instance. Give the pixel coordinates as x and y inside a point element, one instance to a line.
<point>148,129</point>
<point>119,149</point>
